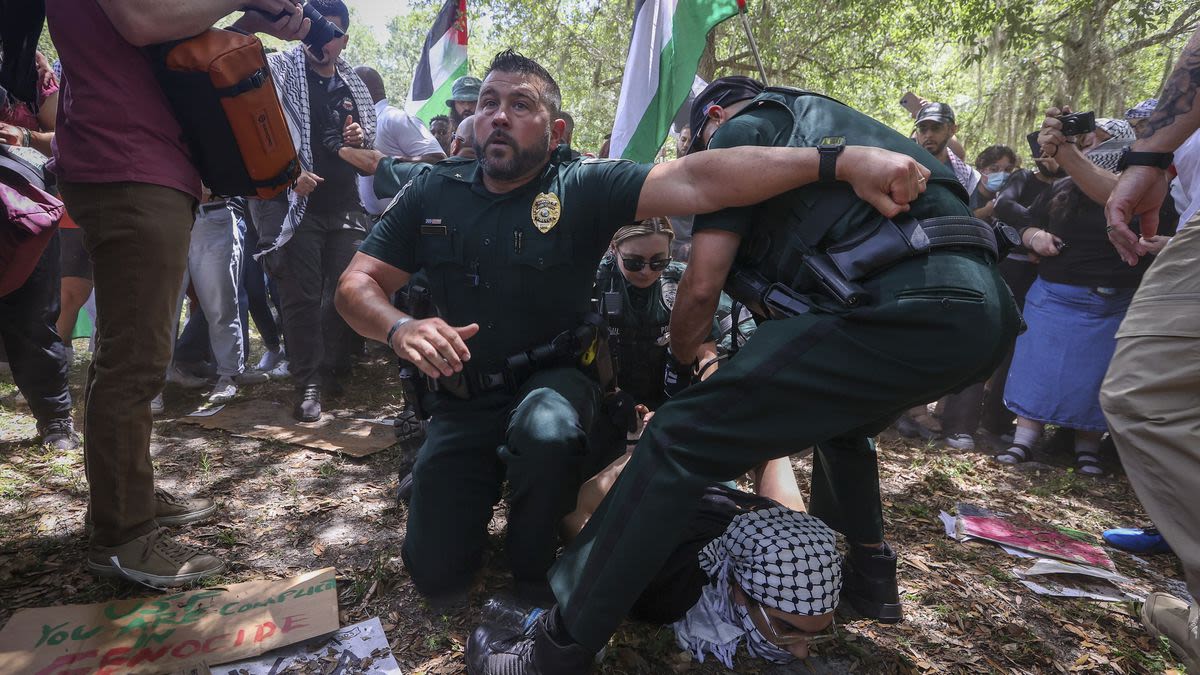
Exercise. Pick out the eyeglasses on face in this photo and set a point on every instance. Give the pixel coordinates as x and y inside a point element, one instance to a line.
<point>789,637</point>
<point>637,264</point>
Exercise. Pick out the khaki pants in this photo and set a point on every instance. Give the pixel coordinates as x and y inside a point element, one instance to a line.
<point>1151,396</point>
<point>137,236</point>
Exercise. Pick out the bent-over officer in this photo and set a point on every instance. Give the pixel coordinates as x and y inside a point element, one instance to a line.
<point>510,244</point>
<point>871,311</point>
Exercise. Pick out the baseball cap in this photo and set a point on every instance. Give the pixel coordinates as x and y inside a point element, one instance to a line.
<point>938,112</point>
<point>465,88</point>
<point>723,91</point>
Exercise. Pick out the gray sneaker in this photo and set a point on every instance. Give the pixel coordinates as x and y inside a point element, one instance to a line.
<point>186,380</point>
<point>154,559</point>
<point>172,510</point>
<point>156,405</point>
<point>251,376</point>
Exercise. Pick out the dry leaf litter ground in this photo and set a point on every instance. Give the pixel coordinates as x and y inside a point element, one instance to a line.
<point>285,509</point>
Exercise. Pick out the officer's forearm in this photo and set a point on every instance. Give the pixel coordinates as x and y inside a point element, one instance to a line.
<point>748,175</point>
<point>1093,181</point>
<point>691,319</point>
<point>365,305</point>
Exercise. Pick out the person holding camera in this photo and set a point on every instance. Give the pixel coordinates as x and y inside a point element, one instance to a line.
<point>130,184</point>
<point>1074,307</point>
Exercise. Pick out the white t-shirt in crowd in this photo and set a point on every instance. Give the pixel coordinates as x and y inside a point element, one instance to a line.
<point>397,134</point>
<point>1186,188</point>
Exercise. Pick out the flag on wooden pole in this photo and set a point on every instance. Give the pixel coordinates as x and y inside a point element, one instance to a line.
<point>443,60</point>
<point>668,40</point>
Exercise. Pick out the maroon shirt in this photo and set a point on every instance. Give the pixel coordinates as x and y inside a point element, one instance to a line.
<point>114,123</point>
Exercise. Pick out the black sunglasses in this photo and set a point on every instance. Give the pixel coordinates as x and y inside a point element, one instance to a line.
<point>636,264</point>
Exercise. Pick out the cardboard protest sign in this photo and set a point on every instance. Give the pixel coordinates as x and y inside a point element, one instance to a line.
<point>170,632</point>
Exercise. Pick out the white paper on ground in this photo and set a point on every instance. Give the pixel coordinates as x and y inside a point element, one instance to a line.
<point>361,648</point>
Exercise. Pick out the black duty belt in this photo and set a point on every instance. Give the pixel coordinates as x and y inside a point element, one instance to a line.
<point>470,383</point>
<point>894,239</point>
<point>209,207</point>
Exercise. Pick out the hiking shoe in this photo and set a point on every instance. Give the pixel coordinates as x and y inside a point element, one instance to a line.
<point>156,405</point>
<point>154,559</point>
<point>281,371</point>
<point>1165,615</point>
<point>251,376</point>
<point>172,510</point>
<point>269,360</point>
<point>506,649</point>
<point>59,434</point>
<point>185,380</point>
<point>223,392</point>
<point>308,408</point>
<point>1144,540</point>
<point>961,441</point>
<point>869,583</point>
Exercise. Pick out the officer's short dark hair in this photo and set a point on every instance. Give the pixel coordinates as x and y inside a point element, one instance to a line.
<point>994,153</point>
<point>566,117</point>
<point>509,61</point>
<point>332,8</point>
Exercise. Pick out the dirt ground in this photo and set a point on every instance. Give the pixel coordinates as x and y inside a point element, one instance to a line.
<point>285,509</point>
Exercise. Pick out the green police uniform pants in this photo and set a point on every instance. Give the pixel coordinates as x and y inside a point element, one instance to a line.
<point>537,440</point>
<point>939,322</point>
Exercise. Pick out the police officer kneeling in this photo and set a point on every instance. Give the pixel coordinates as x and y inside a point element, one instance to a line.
<point>510,243</point>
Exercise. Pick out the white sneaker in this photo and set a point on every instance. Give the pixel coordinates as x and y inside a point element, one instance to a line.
<point>253,376</point>
<point>223,392</point>
<point>181,379</point>
<point>269,360</point>
<point>156,405</point>
<point>280,371</point>
<point>961,441</point>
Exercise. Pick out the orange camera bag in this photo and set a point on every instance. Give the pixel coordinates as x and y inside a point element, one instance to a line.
<point>220,88</point>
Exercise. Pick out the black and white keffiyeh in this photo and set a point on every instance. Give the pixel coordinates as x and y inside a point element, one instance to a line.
<point>288,70</point>
<point>1106,155</point>
<point>782,559</point>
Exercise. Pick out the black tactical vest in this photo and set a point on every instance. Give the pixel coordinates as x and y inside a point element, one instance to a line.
<point>816,216</point>
<point>638,334</point>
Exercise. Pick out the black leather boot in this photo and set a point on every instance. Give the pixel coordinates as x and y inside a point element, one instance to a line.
<point>504,649</point>
<point>869,583</point>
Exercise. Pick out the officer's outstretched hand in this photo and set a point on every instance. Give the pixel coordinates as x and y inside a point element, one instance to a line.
<point>887,180</point>
<point>434,346</point>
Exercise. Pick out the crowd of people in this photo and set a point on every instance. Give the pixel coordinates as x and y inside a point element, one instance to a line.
<point>565,333</point>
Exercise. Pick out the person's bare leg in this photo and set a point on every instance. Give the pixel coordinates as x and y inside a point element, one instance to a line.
<point>777,480</point>
<point>75,292</point>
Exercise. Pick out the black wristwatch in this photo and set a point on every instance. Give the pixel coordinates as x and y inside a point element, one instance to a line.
<point>1158,160</point>
<point>829,148</point>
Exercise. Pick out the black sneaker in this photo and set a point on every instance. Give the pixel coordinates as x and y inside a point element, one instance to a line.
<point>59,434</point>
<point>869,583</point>
<point>505,649</point>
<point>308,408</point>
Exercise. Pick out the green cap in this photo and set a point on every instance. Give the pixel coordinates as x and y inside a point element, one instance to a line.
<point>465,88</point>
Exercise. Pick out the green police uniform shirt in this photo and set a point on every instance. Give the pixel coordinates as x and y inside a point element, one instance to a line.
<point>520,264</point>
<point>392,174</point>
<point>770,124</point>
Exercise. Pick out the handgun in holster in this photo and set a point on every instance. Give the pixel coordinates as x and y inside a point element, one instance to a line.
<point>417,300</point>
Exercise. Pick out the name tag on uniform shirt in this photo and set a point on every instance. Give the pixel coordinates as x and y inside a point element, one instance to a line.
<point>434,226</point>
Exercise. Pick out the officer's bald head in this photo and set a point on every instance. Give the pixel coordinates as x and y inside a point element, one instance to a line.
<point>374,82</point>
<point>462,144</point>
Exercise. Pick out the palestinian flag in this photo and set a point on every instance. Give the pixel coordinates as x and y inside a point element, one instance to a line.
<point>668,39</point>
<point>443,60</point>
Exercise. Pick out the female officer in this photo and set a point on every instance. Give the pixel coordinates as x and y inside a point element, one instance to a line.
<point>635,288</point>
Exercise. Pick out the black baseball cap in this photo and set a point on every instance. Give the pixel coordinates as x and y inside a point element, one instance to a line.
<point>938,112</point>
<point>722,92</point>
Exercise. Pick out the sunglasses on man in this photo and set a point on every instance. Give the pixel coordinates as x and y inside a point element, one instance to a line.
<point>638,264</point>
<point>789,636</point>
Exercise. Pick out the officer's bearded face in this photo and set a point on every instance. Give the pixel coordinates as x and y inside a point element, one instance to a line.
<point>514,130</point>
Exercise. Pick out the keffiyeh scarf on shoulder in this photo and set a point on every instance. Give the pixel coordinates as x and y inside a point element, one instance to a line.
<point>965,173</point>
<point>288,69</point>
<point>781,558</point>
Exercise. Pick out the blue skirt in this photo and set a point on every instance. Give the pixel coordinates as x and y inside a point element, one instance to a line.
<point>1059,363</point>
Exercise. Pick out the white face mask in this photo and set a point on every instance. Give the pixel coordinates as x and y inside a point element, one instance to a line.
<point>716,626</point>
